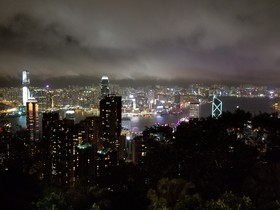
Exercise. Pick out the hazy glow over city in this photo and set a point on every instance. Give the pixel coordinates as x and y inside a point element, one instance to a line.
<point>174,41</point>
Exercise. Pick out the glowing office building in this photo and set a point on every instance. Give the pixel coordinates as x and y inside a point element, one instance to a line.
<point>25,87</point>
<point>32,119</point>
<point>194,110</point>
<point>104,86</point>
<point>217,107</point>
<point>32,124</point>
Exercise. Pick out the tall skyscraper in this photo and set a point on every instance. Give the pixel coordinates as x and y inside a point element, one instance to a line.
<point>68,155</point>
<point>92,129</point>
<point>25,87</point>
<point>41,97</point>
<point>85,162</point>
<point>194,110</point>
<point>217,107</point>
<point>32,119</point>
<point>104,86</point>
<point>50,121</point>
<point>5,143</point>
<point>62,153</point>
<point>110,115</point>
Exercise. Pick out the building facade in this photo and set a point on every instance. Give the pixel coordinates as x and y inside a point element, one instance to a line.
<point>68,155</point>
<point>104,86</point>
<point>194,110</point>
<point>110,116</point>
<point>32,120</point>
<point>25,87</point>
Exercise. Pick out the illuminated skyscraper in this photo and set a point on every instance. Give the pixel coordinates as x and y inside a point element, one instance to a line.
<point>25,87</point>
<point>217,107</point>
<point>62,153</point>
<point>32,124</point>
<point>41,97</point>
<point>110,116</point>
<point>50,121</point>
<point>84,162</point>
<point>104,85</point>
<point>92,130</point>
<point>68,156</point>
<point>5,142</point>
<point>194,110</point>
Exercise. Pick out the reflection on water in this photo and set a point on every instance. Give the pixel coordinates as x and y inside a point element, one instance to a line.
<point>17,122</point>
<point>138,123</point>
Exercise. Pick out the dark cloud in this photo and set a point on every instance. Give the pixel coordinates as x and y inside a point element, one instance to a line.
<point>129,40</point>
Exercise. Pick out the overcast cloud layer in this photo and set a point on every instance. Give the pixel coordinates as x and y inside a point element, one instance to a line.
<point>217,40</point>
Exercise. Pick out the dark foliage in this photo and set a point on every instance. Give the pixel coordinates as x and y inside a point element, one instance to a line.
<point>205,164</point>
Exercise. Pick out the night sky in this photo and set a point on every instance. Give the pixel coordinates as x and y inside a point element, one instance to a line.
<point>142,41</point>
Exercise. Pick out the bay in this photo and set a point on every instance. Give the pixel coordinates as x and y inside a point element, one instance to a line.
<point>138,123</point>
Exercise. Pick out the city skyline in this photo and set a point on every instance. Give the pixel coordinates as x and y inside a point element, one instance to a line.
<point>134,42</point>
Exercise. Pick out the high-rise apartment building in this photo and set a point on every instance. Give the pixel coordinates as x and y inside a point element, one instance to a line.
<point>69,151</point>
<point>58,149</point>
<point>85,162</point>
<point>110,133</point>
<point>62,153</point>
<point>50,121</point>
<point>5,143</point>
<point>110,116</point>
<point>92,129</point>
